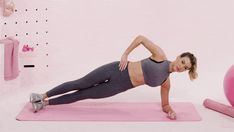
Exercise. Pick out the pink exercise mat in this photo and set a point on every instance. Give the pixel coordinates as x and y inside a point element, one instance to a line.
<point>109,111</point>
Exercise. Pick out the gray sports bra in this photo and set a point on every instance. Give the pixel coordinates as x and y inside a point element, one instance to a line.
<point>155,73</point>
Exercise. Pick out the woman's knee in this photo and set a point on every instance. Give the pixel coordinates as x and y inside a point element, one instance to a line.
<point>71,85</point>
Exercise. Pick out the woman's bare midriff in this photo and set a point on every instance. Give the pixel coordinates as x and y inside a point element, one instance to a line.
<point>136,73</point>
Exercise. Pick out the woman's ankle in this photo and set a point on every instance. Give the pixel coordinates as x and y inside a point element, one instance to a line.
<point>44,96</point>
<point>45,102</point>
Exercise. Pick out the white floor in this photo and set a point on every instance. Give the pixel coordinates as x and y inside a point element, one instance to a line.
<point>11,105</point>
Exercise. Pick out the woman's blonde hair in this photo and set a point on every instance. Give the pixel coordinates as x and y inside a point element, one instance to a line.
<point>193,70</point>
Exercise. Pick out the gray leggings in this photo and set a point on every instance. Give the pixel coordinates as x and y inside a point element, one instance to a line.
<point>105,81</point>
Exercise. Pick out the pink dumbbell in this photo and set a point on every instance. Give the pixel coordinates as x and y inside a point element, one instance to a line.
<point>27,48</point>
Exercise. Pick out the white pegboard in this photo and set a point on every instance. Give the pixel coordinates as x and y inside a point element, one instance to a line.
<point>29,25</point>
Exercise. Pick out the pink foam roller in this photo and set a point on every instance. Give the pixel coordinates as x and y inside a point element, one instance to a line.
<point>222,108</point>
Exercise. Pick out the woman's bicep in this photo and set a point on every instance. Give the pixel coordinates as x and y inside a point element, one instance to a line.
<point>155,50</point>
<point>165,88</point>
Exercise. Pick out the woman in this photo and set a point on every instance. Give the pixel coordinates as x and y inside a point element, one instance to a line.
<point>119,76</point>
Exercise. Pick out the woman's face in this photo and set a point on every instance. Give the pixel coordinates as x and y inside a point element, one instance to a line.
<point>182,64</point>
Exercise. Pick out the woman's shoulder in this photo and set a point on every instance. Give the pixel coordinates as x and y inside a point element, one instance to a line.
<point>166,83</point>
<point>158,58</point>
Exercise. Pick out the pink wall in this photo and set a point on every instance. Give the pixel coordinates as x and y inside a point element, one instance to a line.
<point>84,34</point>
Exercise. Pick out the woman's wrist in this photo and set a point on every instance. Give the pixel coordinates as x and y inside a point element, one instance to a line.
<point>125,53</point>
<point>167,108</point>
